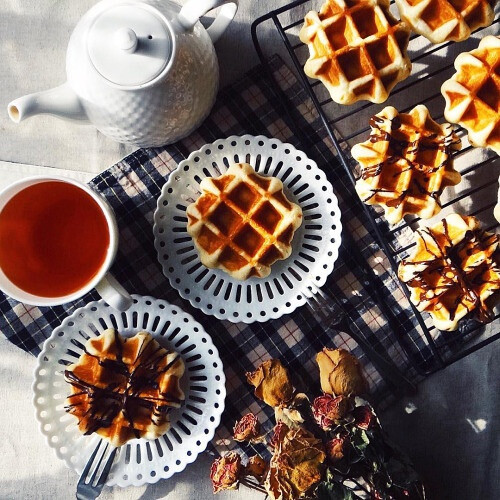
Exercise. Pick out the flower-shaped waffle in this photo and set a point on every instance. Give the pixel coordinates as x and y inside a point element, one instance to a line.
<point>443,20</point>
<point>497,206</point>
<point>454,269</point>
<point>472,94</point>
<point>357,49</point>
<point>242,223</point>
<point>406,163</point>
<point>124,388</point>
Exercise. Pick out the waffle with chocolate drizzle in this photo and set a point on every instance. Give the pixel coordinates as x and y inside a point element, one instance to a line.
<point>124,388</point>
<point>406,163</point>
<point>453,271</point>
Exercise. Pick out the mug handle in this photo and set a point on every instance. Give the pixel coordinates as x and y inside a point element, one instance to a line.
<point>113,293</point>
<point>194,9</point>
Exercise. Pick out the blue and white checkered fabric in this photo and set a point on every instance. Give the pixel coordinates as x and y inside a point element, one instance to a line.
<point>132,187</point>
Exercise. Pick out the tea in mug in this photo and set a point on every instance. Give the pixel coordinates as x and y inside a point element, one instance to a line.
<point>54,238</point>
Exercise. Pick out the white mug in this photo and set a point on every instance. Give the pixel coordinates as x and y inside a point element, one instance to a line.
<point>105,284</point>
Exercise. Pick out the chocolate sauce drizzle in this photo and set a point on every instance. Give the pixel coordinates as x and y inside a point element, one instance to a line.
<point>102,405</point>
<point>449,264</point>
<point>401,150</point>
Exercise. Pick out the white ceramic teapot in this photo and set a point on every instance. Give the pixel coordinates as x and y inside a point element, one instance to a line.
<point>144,72</point>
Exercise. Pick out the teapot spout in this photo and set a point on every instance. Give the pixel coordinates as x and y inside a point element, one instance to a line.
<point>60,101</point>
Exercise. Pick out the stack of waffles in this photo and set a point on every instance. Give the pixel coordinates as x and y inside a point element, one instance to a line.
<point>242,223</point>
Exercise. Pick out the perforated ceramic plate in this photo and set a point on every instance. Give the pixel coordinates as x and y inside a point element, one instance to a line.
<point>140,461</point>
<point>315,244</point>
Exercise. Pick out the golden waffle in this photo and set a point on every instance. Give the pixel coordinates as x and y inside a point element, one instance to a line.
<point>406,163</point>
<point>473,94</point>
<point>357,49</point>
<point>124,388</point>
<point>496,212</point>
<point>242,223</point>
<point>443,20</point>
<point>453,270</point>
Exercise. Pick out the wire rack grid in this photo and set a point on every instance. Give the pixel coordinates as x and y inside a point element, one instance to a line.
<point>347,125</point>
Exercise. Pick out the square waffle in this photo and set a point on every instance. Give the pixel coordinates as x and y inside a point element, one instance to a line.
<point>472,94</point>
<point>357,49</point>
<point>124,388</point>
<point>406,163</point>
<point>453,270</point>
<point>444,20</point>
<point>242,222</point>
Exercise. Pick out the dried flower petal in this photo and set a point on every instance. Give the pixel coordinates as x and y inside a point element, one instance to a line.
<point>256,467</point>
<point>272,383</point>
<point>225,472</point>
<point>363,417</point>
<point>336,448</point>
<point>296,465</point>
<point>279,432</point>
<point>247,428</point>
<point>340,373</point>
<point>327,410</point>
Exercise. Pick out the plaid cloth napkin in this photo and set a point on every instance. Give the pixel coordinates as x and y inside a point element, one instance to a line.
<point>132,187</point>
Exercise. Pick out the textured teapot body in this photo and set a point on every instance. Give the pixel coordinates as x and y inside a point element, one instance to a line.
<point>158,113</point>
<point>143,72</point>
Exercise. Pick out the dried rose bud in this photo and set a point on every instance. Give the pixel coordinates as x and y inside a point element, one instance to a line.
<point>247,428</point>
<point>328,410</point>
<point>225,472</point>
<point>363,417</point>
<point>336,448</point>
<point>340,373</point>
<point>256,467</point>
<point>279,432</point>
<point>272,383</point>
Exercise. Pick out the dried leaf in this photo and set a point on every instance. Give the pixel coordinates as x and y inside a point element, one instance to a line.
<point>272,383</point>
<point>296,465</point>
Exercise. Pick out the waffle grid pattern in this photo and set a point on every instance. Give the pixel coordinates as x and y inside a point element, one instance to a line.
<point>243,223</point>
<point>406,163</point>
<point>472,94</point>
<point>140,408</point>
<point>444,20</point>
<point>453,270</point>
<point>357,49</point>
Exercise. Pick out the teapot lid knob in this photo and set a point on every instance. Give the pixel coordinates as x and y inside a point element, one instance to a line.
<point>126,39</point>
<point>130,44</point>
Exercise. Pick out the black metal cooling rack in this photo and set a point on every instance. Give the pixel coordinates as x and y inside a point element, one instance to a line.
<point>347,125</point>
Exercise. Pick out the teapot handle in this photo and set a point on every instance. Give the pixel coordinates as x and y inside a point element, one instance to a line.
<point>194,9</point>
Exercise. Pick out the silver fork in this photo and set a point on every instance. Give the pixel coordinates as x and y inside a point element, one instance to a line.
<point>86,489</point>
<point>330,309</point>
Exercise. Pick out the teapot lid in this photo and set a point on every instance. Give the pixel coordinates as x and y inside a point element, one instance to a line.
<point>129,45</point>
